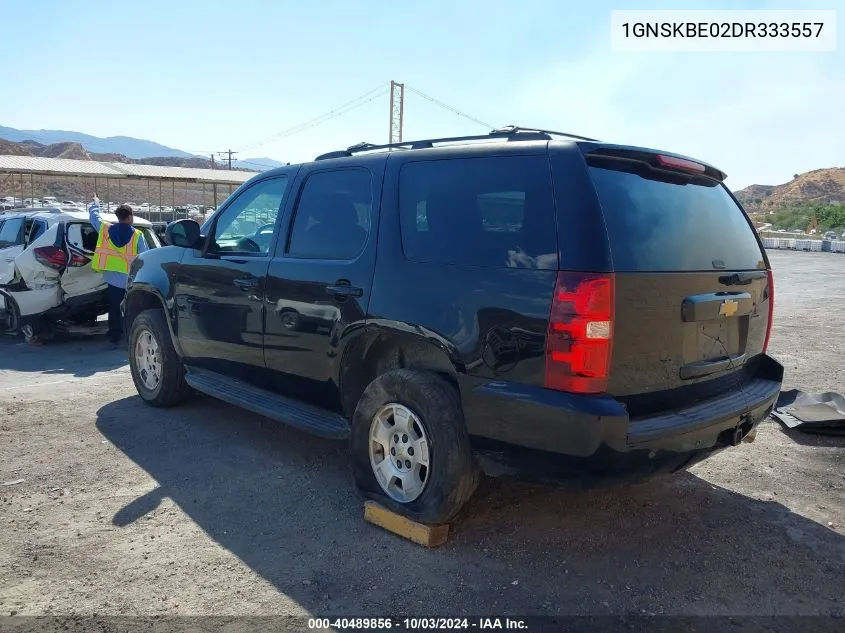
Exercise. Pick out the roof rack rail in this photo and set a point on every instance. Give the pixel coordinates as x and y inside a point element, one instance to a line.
<point>515,129</point>
<point>510,132</point>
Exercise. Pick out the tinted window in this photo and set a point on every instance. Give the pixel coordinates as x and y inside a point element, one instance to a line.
<point>655,225</point>
<point>493,212</point>
<point>332,218</point>
<point>11,232</point>
<point>37,230</point>
<point>246,226</point>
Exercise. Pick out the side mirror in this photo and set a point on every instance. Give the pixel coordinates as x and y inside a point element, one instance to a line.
<point>184,233</point>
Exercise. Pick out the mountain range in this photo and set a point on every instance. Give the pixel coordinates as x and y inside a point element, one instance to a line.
<point>125,146</point>
<point>74,150</point>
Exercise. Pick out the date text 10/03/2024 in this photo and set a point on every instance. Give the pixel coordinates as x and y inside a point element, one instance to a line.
<point>418,624</point>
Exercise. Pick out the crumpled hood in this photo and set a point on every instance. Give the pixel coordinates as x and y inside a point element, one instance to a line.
<point>120,234</point>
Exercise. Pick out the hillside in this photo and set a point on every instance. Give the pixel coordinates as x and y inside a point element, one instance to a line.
<point>14,149</point>
<point>119,148</point>
<point>78,152</point>
<point>820,186</point>
<point>125,145</point>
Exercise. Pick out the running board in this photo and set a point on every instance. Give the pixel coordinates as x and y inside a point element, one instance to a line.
<point>305,417</point>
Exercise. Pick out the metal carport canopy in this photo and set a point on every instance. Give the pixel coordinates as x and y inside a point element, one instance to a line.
<point>38,165</point>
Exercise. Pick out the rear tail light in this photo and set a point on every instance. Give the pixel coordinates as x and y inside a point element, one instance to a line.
<point>580,335</point>
<point>77,261</point>
<point>51,256</point>
<point>771,293</point>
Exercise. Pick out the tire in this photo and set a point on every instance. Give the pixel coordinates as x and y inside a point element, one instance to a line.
<point>10,317</point>
<point>170,389</point>
<point>38,331</point>
<point>451,474</point>
<point>291,319</point>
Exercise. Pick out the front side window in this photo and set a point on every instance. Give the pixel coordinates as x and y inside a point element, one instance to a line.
<point>246,226</point>
<point>11,232</point>
<point>333,216</point>
<point>492,212</point>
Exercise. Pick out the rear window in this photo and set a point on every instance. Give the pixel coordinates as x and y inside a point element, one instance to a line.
<point>495,212</point>
<point>655,225</point>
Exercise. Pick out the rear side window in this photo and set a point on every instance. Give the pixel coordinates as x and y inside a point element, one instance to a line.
<point>496,212</point>
<point>36,230</point>
<point>332,219</point>
<point>655,225</point>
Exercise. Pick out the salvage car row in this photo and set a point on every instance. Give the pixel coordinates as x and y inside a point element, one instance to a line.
<point>46,278</point>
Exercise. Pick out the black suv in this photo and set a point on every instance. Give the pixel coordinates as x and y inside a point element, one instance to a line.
<point>527,301</point>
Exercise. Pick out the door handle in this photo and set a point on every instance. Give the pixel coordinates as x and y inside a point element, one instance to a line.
<point>343,288</point>
<point>246,284</point>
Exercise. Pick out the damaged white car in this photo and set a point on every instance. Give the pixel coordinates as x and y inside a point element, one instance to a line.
<point>46,280</point>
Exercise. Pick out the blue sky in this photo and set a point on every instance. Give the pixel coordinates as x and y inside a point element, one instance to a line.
<point>212,75</point>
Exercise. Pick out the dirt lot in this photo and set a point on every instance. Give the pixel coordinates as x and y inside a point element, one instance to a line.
<point>205,509</point>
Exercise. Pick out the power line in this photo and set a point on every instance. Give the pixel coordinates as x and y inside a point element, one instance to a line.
<point>333,116</point>
<point>318,120</point>
<point>334,112</point>
<point>450,108</point>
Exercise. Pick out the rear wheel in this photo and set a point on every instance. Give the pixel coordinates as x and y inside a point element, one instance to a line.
<point>410,448</point>
<point>291,319</point>
<point>157,371</point>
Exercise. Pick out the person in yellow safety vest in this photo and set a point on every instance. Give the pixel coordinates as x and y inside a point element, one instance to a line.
<point>117,245</point>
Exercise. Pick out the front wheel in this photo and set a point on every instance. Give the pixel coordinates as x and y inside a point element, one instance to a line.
<point>157,371</point>
<point>410,448</point>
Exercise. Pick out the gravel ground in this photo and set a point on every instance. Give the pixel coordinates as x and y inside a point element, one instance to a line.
<point>206,509</point>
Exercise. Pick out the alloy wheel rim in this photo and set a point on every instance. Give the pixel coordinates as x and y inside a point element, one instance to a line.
<point>148,360</point>
<point>399,452</point>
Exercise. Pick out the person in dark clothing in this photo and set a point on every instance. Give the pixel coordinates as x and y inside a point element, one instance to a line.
<point>117,245</point>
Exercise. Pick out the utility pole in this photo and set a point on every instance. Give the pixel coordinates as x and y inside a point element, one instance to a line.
<point>214,185</point>
<point>397,111</point>
<point>229,154</point>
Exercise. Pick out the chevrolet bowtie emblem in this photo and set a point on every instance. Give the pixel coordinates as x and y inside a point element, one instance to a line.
<point>728,308</point>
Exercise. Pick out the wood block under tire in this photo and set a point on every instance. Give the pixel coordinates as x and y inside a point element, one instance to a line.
<point>427,535</point>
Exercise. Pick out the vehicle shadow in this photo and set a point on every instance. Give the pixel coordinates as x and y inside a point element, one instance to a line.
<point>827,440</point>
<point>284,504</point>
<point>80,356</point>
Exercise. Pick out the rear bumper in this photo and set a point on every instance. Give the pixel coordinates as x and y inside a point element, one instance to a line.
<point>546,436</point>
